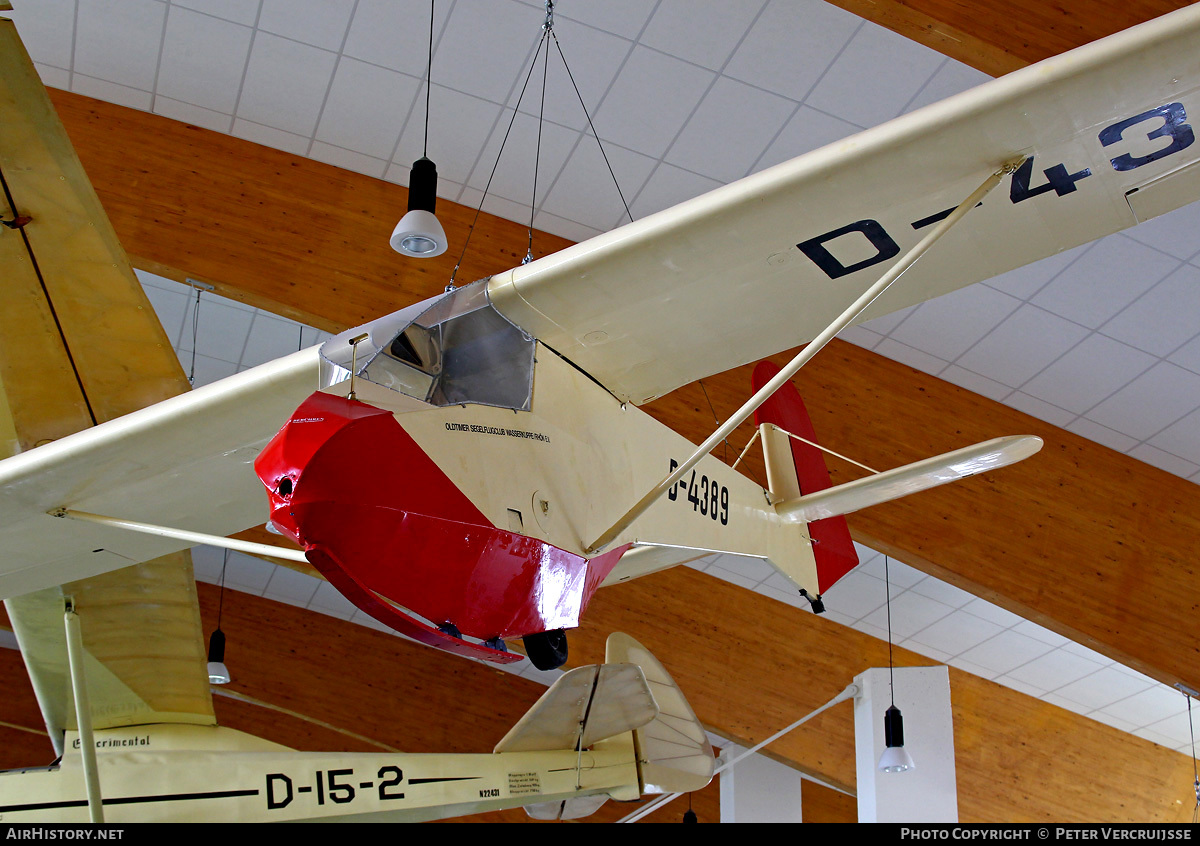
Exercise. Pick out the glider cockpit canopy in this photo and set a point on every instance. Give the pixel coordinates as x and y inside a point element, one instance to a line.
<point>453,349</point>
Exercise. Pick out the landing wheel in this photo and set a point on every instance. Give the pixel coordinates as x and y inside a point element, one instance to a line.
<point>450,629</point>
<point>496,643</point>
<point>546,650</point>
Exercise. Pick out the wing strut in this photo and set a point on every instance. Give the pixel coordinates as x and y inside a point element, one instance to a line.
<point>83,713</point>
<point>192,538</point>
<point>804,355</point>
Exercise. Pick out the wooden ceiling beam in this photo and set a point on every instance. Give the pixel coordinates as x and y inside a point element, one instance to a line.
<point>999,36</point>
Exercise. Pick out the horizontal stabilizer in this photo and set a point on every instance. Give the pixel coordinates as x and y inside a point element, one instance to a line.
<point>642,559</point>
<point>566,809</point>
<point>909,479</point>
<point>584,706</point>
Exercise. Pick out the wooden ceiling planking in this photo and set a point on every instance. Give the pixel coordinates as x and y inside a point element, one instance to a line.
<point>23,738</point>
<point>999,36</point>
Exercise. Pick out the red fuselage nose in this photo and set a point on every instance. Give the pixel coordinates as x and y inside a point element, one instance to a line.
<point>381,520</point>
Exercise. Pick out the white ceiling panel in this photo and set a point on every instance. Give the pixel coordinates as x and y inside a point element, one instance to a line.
<point>394,34</point>
<point>1022,346</point>
<point>1104,280</point>
<point>1149,707</point>
<point>1088,373</point>
<point>48,30</point>
<point>913,357</point>
<point>294,588</point>
<point>1145,406</point>
<point>1156,457</point>
<point>585,192</point>
<point>1176,233</point>
<point>974,382</point>
<point>625,18</point>
<point>203,59</point>
<point>321,23</point>
<point>286,83</point>
<point>857,595</point>
<point>947,326</point>
<point>1006,651</point>
<point>950,78</point>
<point>514,178</point>
<point>601,54</point>
<point>327,600</point>
<point>53,77</point>
<point>726,134</point>
<point>458,128</point>
<point>1026,281</point>
<point>854,90</point>
<point>704,32</point>
<point>668,186</point>
<point>807,129</point>
<point>651,99</point>
<point>993,614</point>
<point>791,45</point>
<point>897,573</point>
<point>238,11</point>
<point>1181,438</point>
<point>112,92</point>
<point>366,108</point>
<point>195,115</point>
<point>942,592</point>
<point>486,46</point>
<point>1054,669</point>
<point>269,136</point>
<point>954,634</point>
<point>266,338</point>
<point>565,228</point>
<point>1100,434</point>
<point>911,613</point>
<point>1164,318</point>
<point>348,160</point>
<point>118,41</point>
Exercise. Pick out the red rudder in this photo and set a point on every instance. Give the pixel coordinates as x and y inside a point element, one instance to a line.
<point>832,546</point>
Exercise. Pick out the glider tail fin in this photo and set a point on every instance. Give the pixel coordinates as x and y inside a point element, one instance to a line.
<point>629,702</point>
<point>795,467</point>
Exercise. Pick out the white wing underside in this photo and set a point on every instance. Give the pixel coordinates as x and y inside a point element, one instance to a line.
<point>719,281</point>
<point>183,463</point>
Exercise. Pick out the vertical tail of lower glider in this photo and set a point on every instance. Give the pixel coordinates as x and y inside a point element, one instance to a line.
<point>805,473</point>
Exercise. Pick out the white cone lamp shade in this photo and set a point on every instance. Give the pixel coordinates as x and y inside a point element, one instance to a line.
<point>419,233</point>
<point>218,673</point>
<point>895,758</point>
